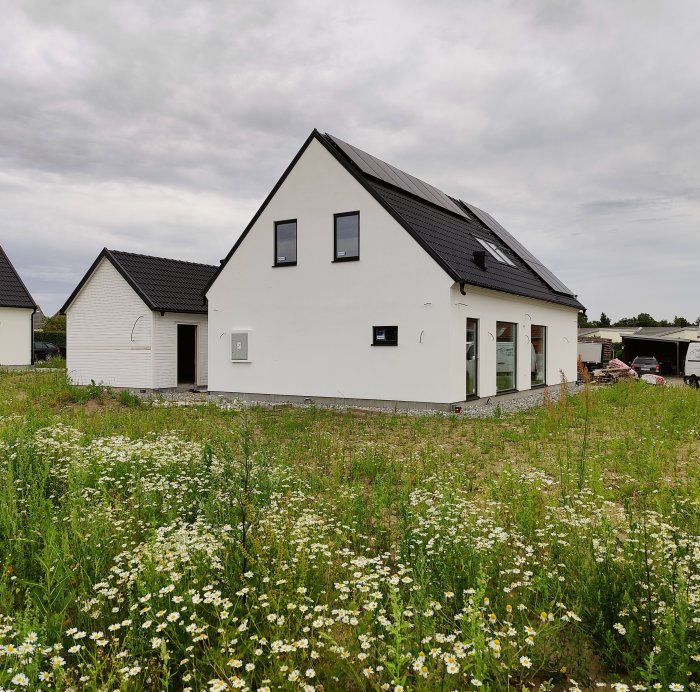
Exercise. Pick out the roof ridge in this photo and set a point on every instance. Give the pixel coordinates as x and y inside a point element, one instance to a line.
<point>167,259</point>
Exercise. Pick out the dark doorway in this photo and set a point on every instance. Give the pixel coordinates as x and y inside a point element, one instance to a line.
<point>187,354</point>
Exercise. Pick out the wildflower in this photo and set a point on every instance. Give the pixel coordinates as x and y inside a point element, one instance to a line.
<point>453,668</point>
<point>620,687</point>
<point>21,680</point>
<point>217,685</point>
<point>676,687</point>
<point>310,673</point>
<point>525,662</point>
<point>620,628</point>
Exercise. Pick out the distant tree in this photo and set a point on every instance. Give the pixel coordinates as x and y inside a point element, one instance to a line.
<point>626,322</point>
<point>604,320</point>
<point>583,320</point>
<point>644,319</point>
<point>57,323</point>
<point>680,322</point>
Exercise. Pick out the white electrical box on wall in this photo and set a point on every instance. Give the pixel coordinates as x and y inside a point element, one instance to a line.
<point>240,346</point>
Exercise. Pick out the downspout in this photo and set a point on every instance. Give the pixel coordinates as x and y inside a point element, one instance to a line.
<point>31,335</point>
<point>461,288</point>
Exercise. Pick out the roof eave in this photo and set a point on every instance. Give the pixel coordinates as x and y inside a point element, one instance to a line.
<point>568,304</point>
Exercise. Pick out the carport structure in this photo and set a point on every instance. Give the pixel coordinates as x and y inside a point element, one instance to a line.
<point>669,345</point>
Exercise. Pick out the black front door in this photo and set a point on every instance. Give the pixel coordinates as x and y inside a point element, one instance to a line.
<point>187,354</point>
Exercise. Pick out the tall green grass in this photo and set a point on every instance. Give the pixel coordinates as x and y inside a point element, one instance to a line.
<point>145,546</point>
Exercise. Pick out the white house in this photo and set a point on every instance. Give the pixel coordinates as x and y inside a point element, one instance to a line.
<point>17,308</point>
<point>357,281</point>
<point>138,321</point>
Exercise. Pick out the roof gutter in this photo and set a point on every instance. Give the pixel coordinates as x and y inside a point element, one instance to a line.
<point>461,288</point>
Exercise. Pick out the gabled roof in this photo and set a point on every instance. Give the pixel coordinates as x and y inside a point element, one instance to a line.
<point>165,285</point>
<point>13,292</point>
<point>447,228</point>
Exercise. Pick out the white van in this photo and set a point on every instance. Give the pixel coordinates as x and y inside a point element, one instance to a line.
<point>692,365</point>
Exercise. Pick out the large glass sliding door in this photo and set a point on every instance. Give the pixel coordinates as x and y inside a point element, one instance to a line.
<point>506,333</point>
<point>472,352</point>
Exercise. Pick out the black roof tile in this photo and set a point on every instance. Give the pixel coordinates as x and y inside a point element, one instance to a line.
<point>454,239</point>
<point>165,285</point>
<point>13,292</point>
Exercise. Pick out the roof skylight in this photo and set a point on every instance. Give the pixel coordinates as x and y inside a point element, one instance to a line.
<point>495,252</point>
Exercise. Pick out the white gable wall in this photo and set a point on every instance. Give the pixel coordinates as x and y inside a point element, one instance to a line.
<point>15,336</point>
<point>490,307</point>
<point>165,347</point>
<point>311,324</point>
<point>109,333</point>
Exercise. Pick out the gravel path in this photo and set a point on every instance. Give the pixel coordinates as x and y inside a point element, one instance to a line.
<point>481,408</point>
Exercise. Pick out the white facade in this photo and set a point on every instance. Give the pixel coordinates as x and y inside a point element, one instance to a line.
<point>15,336</point>
<point>309,326</point>
<point>114,338</point>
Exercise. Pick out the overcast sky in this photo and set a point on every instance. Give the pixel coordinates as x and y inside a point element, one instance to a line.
<point>160,127</point>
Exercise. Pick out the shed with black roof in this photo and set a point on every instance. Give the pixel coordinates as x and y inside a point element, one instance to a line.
<point>138,321</point>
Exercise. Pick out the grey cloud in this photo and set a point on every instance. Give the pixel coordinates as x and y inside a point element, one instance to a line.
<point>160,127</point>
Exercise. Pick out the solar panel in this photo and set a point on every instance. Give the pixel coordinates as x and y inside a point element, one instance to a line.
<point>373,166</point>
<point>527,257</point>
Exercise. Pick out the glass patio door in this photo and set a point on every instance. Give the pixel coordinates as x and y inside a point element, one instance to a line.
<point>472,352</point>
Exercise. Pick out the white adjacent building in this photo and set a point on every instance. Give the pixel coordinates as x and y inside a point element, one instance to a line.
<point>17,308</point>
<point>356,281</point>
<point>138,321</point>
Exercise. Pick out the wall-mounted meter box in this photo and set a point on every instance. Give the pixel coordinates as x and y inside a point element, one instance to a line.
<point>240,346</point>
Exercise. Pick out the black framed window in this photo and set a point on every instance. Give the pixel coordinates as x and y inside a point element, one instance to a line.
<point>385,336</point>
<point>346,236</point>
<point>285,243</point>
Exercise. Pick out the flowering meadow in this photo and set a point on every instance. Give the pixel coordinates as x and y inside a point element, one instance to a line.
<point>152,547</point>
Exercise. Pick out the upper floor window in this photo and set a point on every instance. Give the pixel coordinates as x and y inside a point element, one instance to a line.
<point>495,251</point>
<point>285,243</point>
<point>346,244</point>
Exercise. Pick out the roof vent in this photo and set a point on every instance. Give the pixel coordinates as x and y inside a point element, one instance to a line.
<point>480,258</point>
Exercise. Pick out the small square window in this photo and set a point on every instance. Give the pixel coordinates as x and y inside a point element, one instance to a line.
<point>285,243</point>
<point>346,238</point>
<point>385,336</point>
